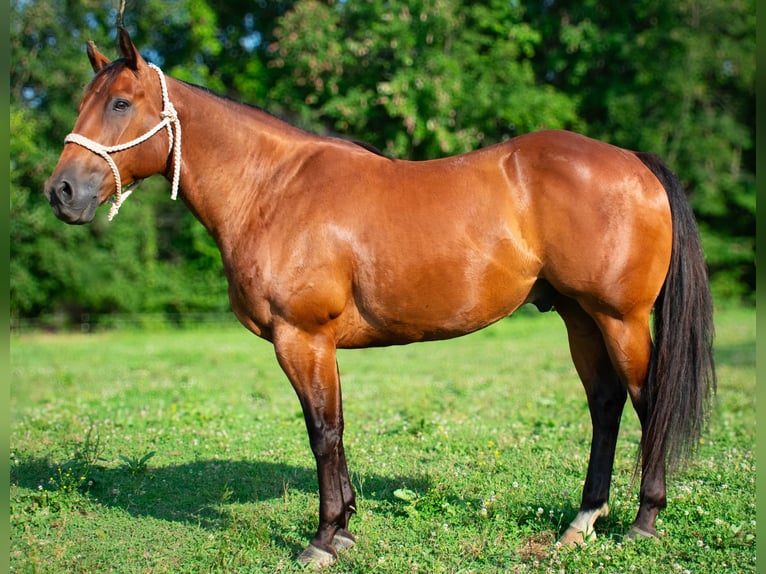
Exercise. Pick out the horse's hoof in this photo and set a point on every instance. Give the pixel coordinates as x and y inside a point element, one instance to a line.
<point>635,532</point>
<point>574,536</point>
<point>343,540</point>
<point>316,558</point>
<point>581,530</point>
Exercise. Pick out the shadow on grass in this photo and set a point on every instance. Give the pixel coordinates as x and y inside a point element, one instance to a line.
<point>204,493</point>
<point>197,492</point>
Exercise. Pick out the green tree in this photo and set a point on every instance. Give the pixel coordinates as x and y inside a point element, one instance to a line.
<point>155,257</point>
<point>419,79</point>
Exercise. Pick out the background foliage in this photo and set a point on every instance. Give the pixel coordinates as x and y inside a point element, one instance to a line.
<point>418,79</point>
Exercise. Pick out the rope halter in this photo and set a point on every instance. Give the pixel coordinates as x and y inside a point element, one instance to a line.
<point>169,121</point>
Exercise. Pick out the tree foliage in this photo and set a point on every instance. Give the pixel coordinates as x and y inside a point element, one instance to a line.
<point>418,79</point>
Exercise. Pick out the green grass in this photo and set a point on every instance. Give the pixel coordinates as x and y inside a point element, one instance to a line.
<point>185,451</point>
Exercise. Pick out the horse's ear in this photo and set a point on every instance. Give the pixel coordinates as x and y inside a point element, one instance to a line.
<point>128,49</point>
<point>97,59</point>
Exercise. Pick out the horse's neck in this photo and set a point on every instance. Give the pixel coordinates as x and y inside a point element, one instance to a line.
<point>231,154</point>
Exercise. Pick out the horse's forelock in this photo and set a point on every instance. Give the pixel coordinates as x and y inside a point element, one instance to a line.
<point>104,78</point>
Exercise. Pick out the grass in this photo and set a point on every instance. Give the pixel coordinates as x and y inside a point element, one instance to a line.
<point>185,451</point>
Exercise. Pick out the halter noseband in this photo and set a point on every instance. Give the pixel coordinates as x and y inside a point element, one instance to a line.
<point>169,121</point>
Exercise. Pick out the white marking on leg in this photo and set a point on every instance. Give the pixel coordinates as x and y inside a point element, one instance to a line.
<point>581,528</point>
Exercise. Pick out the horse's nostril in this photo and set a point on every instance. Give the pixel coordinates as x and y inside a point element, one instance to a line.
<point>65,191</point>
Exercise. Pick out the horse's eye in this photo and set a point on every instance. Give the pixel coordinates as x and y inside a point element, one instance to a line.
<point>120,105</point>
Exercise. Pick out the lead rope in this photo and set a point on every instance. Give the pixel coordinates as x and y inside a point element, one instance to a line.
<point>169,120</point>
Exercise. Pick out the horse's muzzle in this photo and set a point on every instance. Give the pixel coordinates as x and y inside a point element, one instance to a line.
<point>70,202</point>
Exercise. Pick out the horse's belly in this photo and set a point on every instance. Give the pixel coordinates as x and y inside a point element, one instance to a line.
<point>436,300</point>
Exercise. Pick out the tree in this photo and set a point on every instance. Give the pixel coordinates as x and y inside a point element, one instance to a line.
<point>155,257</point>
<point>419,79</point>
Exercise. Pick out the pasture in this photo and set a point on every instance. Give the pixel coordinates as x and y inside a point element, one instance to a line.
<point>186,451</point>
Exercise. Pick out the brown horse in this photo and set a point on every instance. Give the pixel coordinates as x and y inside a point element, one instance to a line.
<point>327,244</point>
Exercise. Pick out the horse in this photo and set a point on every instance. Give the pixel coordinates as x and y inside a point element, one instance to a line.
<point>327,244</point>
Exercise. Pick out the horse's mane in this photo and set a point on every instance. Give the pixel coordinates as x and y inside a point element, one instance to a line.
<point>367,146</point>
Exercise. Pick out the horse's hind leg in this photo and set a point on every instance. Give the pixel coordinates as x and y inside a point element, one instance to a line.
<point>606,399</point>
<point>629,344</point>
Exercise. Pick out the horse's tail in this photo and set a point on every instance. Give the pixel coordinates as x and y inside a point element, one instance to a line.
<point>682,370</point>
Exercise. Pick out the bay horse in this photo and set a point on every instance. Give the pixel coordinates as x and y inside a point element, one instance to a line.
<point>327,245</point>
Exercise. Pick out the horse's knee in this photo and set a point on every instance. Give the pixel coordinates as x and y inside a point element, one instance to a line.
<point>325,440</point>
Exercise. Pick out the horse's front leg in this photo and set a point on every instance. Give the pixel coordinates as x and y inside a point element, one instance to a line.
<point>309,360</point>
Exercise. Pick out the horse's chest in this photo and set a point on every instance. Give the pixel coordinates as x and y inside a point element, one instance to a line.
<point>248,297</point>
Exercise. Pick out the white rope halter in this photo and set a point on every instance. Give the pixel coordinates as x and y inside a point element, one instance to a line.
<point>169,121</point>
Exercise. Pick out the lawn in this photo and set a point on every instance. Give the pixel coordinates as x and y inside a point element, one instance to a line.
<point>185,451</point>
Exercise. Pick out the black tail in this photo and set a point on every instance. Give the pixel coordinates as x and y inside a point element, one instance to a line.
<point>682,371</point>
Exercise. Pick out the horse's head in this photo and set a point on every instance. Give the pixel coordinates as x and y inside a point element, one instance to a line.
<point>112,146</point>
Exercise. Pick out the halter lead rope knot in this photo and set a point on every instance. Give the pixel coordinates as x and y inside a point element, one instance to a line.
<point>169,121</point>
